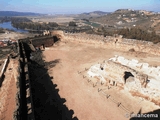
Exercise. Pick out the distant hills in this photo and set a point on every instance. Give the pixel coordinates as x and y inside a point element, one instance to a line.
<point>129,18</point>
<point>96,13</point>
<point>14,13</point>
<point>87,15</point>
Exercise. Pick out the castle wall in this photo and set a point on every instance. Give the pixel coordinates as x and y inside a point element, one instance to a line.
<point>119,43</point>
<point>46,41</point>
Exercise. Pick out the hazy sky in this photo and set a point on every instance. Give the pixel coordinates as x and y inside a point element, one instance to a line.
<point>76,6</point>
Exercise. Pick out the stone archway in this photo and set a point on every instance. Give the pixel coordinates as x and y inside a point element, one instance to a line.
<point>55,38</point>
<point>128,76</point>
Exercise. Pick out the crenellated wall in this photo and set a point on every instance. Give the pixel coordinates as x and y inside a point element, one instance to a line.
<point>118,42</point>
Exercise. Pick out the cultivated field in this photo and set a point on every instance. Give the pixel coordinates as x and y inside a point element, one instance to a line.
<point>51,18</point>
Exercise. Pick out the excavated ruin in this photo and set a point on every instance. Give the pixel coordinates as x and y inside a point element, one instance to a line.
<point>134,77</point>
<point>139,79</point>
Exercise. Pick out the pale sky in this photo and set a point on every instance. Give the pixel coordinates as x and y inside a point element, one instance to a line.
<point>77,6</point>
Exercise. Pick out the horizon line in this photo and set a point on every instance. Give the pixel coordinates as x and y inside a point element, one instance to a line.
<point>77,12</point>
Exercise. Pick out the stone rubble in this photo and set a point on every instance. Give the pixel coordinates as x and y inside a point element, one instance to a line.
<point>140,78</point>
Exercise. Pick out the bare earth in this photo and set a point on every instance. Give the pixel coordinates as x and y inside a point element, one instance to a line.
<point>86,102</point>
<point>15,35</point>
<point>8,92</point>
<point>57,19</point>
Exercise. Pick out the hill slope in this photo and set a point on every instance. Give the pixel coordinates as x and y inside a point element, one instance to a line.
<point>14,13</point>
<point>130,18</point>
<point>92,14</point>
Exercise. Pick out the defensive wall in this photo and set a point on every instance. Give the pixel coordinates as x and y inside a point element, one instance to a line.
<point>5,64</point>
<point>48,38</point>
<point>16,83</point>
<point>44,40</point>
<point>24,103</point>
<point>24,109</point>
<point>116,42</point>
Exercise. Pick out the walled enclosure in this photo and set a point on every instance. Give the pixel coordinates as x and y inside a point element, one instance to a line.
<point>25,109</point>
<point>132,78</point>
<point>116,42</point>
<point>48,40</point>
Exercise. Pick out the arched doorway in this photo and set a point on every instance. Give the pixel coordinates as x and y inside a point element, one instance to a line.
<point>128,76</point>
<point>55,38</point>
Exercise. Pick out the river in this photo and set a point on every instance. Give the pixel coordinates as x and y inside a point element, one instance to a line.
<point>8,25</point>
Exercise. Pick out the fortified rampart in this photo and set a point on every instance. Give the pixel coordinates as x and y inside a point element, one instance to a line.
<point>24,95</point>
<point>119,43</point>
<point>116,42</point>
<point>116,73</point>
<point>16,83</point>
<point>24,109</point>
<point>47,39</point>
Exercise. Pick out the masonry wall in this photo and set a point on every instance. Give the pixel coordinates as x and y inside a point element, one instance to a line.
<point>118,71</point>
<point>122,44</point>
<point>24,105</point>
<point>4,68</point>
<point>46,41</point>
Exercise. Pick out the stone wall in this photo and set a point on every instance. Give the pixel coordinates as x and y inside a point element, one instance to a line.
<point>24,103</point>
<point>117,73</point>
<point>120,71</point>
<point>43,40</point>
<point>116,42</point>
<point>137,78</point>
<point>5,64</point>
<point>58,33</point>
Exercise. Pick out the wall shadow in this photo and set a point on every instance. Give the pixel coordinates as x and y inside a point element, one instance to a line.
<point>48,105</point>
<point>153,115</point>
<point>2,79</point>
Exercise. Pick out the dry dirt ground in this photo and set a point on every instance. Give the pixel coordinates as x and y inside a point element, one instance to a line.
<point>8,92</point>
<point>57,19</point>
<point>84,99</point>
<point>15,35</point>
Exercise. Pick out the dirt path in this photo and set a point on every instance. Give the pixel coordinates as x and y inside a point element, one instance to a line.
<point>8,92</point>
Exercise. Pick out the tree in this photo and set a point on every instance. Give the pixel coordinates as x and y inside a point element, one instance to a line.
<point>72,24</point>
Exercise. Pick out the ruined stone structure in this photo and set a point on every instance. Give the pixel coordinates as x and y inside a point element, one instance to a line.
<point>46,32</point>
<point>130,75</point>
<point>116,42</point>
<point>113,42</point>
<point>134,77</point>
<point>57,33</point>
<point>116,71</point>
<point>45,40</point>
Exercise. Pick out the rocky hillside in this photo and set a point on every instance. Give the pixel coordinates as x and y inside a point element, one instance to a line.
<point>130,18</point>
<point>88,15</point>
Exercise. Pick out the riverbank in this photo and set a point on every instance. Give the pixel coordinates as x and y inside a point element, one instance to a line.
<point>8,25</point>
